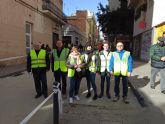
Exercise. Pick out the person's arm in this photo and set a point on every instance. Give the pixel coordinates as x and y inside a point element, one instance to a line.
<point>68,63</point>
<point>28,66</point>
<point>111,63</point>
<point>130,63</point>
<point>47,62</point>
<point>52,62</point>
<point>153,55</point>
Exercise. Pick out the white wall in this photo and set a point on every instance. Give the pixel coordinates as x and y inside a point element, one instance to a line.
<point>148,20</point>
<point>159,12</point>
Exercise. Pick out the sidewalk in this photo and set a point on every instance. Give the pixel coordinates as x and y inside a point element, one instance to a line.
<point>10,70</point>
<point>140,79</point>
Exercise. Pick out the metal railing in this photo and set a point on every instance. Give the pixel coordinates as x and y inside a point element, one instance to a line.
<point>48,5</point>
<point>57,105</point>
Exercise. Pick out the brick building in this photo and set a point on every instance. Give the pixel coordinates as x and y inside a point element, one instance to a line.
<point>86,22</point>
<point>23,22</point>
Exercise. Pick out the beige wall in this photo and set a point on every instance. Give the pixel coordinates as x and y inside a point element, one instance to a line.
<point>12,25</point>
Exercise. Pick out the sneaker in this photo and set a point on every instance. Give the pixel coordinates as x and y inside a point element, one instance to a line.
<point>116,98</point>
<point>163,91</point>
<point>125,100</point>
<point>152,87</point>
<point>70,100</point>
<point>108,96</point>
<point>77,97</point>
<point>38,95</point>
<point>94,97</point>
<point>101,95</point>
<point>88,95</point>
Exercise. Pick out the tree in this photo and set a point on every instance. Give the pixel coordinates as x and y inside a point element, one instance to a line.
<point>119,21</point>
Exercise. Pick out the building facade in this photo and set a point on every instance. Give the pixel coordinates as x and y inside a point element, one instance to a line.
<point>23,22</point>
<point>85,21</point>
<point>149,24</point>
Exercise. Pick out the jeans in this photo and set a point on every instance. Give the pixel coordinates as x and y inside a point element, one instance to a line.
<point>91,81</point>
<point>125,85</point>
<point>105,75</point>
<point>74,86</point>
<point>154,72</point>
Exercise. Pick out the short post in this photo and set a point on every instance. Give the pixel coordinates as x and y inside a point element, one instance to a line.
<point>55,103</point>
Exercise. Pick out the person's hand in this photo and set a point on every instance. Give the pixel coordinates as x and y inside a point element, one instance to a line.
<point>111,73</point>
<point>162,58</point>
<point>129,74</point>
<point>76,66</point>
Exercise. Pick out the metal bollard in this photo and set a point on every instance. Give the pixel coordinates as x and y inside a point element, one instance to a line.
<point>55,103</point>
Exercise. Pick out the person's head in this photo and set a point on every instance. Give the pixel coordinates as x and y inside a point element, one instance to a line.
<point>59,44</point>
<point>163,35</point>
<point>161,41</point>
<point>74,49</point>
<point>88,46</point>
<point>106,46</point>
<point>99,46</point>
<point>119,46</point>
<point>37,45</point>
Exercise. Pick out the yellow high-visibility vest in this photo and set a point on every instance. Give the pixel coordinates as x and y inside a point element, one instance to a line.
<point>121,65</point>
<point>92,65</point>
<point>38,61</point>
<point>71,72</point>
<point>60,62</point>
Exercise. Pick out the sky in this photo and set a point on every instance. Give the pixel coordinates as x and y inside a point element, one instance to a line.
<point>70,6</point>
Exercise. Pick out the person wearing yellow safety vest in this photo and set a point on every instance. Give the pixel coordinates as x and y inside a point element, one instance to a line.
<point>38,62</point>
<point>90,63</point>
<point>73,63</point>
<point>121,67</point>
<point>59,57</point>
<point>104,57</point>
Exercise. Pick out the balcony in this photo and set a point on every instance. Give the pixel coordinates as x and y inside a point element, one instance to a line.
<point>51,10</point>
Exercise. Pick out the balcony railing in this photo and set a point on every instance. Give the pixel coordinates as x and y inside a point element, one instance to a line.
<point>50,6</point>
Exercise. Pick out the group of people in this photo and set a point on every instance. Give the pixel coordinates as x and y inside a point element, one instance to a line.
<point>76,65</point>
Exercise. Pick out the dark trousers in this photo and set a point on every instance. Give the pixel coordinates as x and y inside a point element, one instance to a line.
<point>90,77</point>
<point>40,81</point>
<point>105,75</point>
<point>58,75</point>
<point>74,86</point>
<point>124,83</point>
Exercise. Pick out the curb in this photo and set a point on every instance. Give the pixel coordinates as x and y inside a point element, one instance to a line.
<point>12,73</point>
<point>137,95</point>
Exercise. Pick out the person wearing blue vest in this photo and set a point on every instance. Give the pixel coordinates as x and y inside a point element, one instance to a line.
<point>38,62</point>
<point>59,57</point>
<point>121,67</point>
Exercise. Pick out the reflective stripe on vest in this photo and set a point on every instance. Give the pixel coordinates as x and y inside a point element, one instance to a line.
<point>60,62</point>
<point>38,61</point>
<point>92,65</point>
<point>121,66</point>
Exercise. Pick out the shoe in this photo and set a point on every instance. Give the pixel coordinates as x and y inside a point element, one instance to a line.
<point>38,95</point>
<point>95,97</point>
<point>163,91</point>
<point>70,100</point>
<point>101,95</point>
<point>77,97</point>
<point>45,95</point>
<point>152,87</point>
<point>88,95</point>
<point>116,98</point>
<point>108,96</point>
<point>125,100</point>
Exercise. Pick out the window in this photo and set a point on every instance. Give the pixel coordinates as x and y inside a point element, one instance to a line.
<point>28,36</point>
